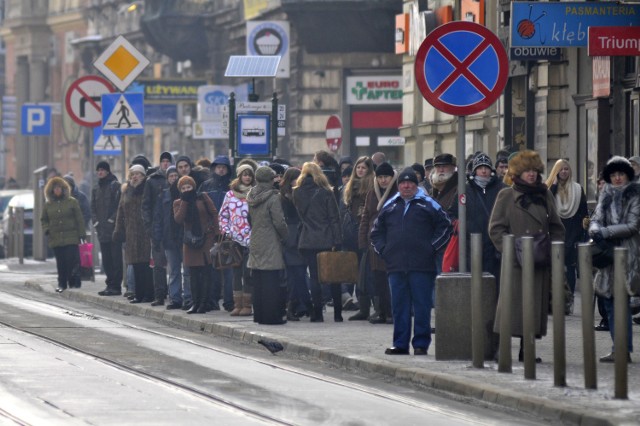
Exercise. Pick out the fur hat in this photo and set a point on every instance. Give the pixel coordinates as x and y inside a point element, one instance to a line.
<point>265,174</point>
<point>444,160</point>
<point>407,174</point>
<point>523,161</point>
<point>186,180</point>
<point>481,159</point>
<point>137,168</point>
<point>243,167</point>
<point>617,164</point>
<point>103,165</point>
<point>384,169</point>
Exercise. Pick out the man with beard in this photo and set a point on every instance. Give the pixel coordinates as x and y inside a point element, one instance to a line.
<point>444,182</point>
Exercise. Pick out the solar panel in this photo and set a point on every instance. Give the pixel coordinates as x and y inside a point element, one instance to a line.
<point>252,66</point>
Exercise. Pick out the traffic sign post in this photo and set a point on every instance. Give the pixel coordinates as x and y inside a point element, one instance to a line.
<point>83,100</point>
<point>121,63</point>
<point>123,114</point>
<point>333,133</point>
<point>36,120</point>
<point>461,68</point>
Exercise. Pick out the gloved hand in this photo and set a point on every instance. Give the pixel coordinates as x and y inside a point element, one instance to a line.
<point>596,236</point>
<point>586,222</point>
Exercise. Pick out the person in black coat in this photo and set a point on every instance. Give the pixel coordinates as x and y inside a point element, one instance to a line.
<point>318,210</point>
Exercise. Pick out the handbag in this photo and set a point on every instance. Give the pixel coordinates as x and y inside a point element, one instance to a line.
<point>86,255</point>
<point>336,267</point>
<point>226,254</point>
<point>451,258</point>
<point>193,241</point>
<point>602,253</point>
<point>350,228</point>
<point>541,249</point>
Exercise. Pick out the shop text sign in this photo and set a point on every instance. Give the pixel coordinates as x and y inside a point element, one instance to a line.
<point>614,41</point>
<point>374,90</point>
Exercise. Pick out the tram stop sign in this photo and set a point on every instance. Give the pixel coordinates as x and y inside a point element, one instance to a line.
<point>461,68</point>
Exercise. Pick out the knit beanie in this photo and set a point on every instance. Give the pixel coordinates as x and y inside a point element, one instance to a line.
<point>265,174</point>
<point>481,159</point>
<point>185,159</point>
<point>186,180</point>
<point>242,167</point>
<point>384,169</point>
<point>141,160</point>
<point>407,174</point>
<point>166,155</point>
<point>171,169</point>
<point>137,168</point>
<point>104,166</point>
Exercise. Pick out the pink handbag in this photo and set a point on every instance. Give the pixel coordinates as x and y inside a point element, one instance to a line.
<point>86,255</point>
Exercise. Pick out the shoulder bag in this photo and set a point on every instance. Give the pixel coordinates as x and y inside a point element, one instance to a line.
<point>226,254</point>
<point>541,249</point>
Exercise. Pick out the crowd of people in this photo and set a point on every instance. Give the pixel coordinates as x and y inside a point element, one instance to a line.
<point>167,218</point>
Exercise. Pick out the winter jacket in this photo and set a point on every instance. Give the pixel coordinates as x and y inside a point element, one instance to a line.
<point>448,197</point>
<point>61,217</point>
<point>208,216</point>
<point>105,198</point>
<point>268,228</point>
<point>509,217</point>
<point>129,227</point>
<point>83,202</point>
<point>574,233</point>
<point>318,211</point>
<point>292,256</point>
<point>620,222</point>
<point>164,229</point>
<point>156,183</point>
<point>234,219</point>
<point>216,187</point>
<point>408,237</point>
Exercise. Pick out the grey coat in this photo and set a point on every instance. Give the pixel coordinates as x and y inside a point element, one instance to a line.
<point>509,217</point>
<point>268,228</point>
<point>618,219</point>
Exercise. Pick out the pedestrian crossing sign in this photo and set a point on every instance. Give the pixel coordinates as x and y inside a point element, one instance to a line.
<point>105,144</point>
<point>123,114</point>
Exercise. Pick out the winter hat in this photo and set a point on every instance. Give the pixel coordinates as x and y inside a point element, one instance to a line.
<point>104,166</point>
<point>137,168</point>
<point>249,161</point>
<point>221,160</point>
<point>418,168</point>
<point>166,155</point>
<point>186,180</point>
<point>635,159</point>
<point>481,159</point>
<point>243,167</point>
<point>345,160</point>
<point>407,174</point>
<point>171,169</point>
<point>203,162</point>
<point>185,159</point>
<point>141,160</point>
<point>265,174</point>
<point>428,163</point>
<point>70,181</point>
<point>525,160</point>
<point>617,164</point>
<point>444,160</point>
<point>277,168</point>
<point>384,169</point>
<point>347,171</point>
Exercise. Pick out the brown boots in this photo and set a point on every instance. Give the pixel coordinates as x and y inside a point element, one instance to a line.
<point>241,304</point>
<point>237,304</point>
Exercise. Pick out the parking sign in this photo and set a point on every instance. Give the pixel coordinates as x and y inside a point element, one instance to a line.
<point>36,120</point>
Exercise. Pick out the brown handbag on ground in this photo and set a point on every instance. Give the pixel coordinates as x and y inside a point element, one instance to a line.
<point>226,254</point>
<point>337,267</point>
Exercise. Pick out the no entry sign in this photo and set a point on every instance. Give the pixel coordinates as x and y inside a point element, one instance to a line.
<point>83,100</point>
<point>334,133</point>
<point>461,68</point>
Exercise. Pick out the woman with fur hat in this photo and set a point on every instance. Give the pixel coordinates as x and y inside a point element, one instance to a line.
<point>63,224</point>
<point>384,187</point>
<point>617,219</point>
<point>525,209</point>
<point>130,230</point>
<point>266,261</point>
<point>199,217</point>
<point>571,203</point>
<point>234,224</point>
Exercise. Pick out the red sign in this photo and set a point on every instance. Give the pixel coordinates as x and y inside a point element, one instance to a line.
<point>614,41</point>
<point>83,100</point>
<point>461,68</point>
<point>601,76</point>
<point>334,133</point>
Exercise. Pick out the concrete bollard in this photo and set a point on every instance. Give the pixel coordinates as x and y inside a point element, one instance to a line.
<point>453,316</point>
<point>621,306</point>
<point>528,312</point>
<point>558,300</point>
<point>588,334</point>
<point>506,285</point>
<point>477,322</point>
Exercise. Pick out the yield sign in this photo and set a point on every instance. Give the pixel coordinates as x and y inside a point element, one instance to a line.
<point>83,100</point>
<point>461,68</point>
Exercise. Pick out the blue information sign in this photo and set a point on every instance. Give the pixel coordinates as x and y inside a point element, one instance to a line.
<point>123,114</point>
<point>566,24</point>
<point>36,120</point>
<point>253,134</point>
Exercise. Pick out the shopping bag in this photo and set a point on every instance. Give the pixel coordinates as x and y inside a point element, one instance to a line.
<point>337,267</point>
<point>451,258</point>
<point>86,255</point>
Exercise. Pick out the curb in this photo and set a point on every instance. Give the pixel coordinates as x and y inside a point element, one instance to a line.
<point>442,382</point>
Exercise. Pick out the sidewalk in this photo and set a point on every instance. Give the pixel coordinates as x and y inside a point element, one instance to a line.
<point>358,345</point>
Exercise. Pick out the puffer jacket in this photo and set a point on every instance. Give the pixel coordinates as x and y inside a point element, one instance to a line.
<point>623,228</point>
<point>129,226</point>
<point>268,228</point>
<point>61,217</point>
<point>105,198</point>
<point>318,211</point>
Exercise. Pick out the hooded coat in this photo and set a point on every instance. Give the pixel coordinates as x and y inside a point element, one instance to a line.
<point>130,227</point>
<point>61,217</point>
<point>268,228</point>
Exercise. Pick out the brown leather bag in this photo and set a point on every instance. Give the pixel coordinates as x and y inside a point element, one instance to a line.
<point>337,267</point>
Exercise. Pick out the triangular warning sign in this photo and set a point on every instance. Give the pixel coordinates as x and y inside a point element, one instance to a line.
<point>107,143</point>
<point>123,117</point>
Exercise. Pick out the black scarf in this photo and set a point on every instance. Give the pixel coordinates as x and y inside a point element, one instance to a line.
<point>193,218</point>
<point>532,194</point>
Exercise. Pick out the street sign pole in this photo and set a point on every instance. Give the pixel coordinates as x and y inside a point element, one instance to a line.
<point>462,204</point>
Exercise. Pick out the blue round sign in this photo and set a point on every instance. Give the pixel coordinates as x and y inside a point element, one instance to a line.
<point>461,68</point>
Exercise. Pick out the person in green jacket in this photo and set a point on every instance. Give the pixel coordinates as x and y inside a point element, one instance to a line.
<point>63,225</point>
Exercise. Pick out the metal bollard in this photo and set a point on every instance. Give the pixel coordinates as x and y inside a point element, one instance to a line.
<point>588,334</point>
<point>620,308</point>
<point>19,233</point>
<point>528,310</point>
<point>477,323</point>
<point>558,298</point>
<point>506,294</point>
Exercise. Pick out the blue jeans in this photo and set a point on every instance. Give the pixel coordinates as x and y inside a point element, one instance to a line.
<point>412,289</point>
<point>608,306</point>
<point>131,280</point>
<point>174,263</point>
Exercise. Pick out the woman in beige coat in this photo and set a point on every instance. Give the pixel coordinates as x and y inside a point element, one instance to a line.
<point>525,209</point>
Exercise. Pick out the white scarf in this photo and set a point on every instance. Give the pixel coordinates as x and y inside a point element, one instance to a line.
<point>569,208</point>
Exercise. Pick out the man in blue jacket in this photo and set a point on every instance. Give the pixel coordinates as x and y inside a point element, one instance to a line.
<point>409,232</point>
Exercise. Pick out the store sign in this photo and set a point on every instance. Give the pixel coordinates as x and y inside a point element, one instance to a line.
<point>168,91</point>
<point>374,90</point>
<point>614,41</point>
<point>391,141</point>
<point>535,54</point>
<point>601,76</point>
<point>269,38</point>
